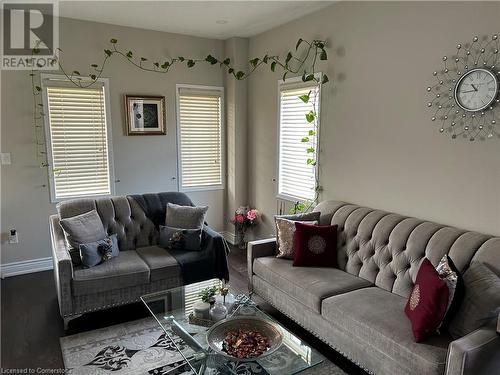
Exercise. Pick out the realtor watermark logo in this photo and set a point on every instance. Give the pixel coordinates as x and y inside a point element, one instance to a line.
<point>30,35</point>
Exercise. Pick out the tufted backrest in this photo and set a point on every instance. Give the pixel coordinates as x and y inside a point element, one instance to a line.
<point>121,215</point>
<point>387,249</point>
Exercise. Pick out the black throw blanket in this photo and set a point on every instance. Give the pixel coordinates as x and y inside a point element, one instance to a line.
<point>210,262</point>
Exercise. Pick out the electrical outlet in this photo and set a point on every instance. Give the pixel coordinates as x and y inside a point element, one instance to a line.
<point>13,236</point>
<point>5,157</point>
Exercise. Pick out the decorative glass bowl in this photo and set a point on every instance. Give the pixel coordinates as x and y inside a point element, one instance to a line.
<point>267,328</point>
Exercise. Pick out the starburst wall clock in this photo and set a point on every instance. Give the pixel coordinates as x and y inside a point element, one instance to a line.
<point>466,95</point>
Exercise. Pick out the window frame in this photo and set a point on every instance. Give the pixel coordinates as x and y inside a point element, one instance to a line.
<point>222,185</point>
<point>291,82</point>
<point>48,139</point>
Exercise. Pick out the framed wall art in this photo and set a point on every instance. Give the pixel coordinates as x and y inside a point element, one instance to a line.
<point>145,115</point>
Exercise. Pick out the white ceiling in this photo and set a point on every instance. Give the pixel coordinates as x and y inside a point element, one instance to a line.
<point>197,18</point>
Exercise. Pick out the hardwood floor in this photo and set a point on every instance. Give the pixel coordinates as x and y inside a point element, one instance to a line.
<point>31,324</point>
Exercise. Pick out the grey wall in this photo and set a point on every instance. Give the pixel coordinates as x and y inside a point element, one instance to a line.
<point>143,164</point>
<point>378,145</point>
<point>236,130</point>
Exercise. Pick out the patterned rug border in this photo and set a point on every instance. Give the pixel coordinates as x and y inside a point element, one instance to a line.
<point>140,346</point>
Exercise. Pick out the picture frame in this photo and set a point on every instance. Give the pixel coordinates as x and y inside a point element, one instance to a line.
<point>145,115</point>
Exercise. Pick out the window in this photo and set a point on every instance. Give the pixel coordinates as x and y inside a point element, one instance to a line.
<point>296,178</point>
<point>78,139</point>
<point>199,132</point>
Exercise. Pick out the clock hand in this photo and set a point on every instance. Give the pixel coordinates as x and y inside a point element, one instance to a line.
<point>463,92</point>
<point>474,87</point>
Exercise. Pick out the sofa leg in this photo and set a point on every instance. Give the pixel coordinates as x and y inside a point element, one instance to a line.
<point>67,319</point>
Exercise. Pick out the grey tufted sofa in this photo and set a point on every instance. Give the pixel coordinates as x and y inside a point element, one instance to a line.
<point>359,309</point>
<point>141,267</point>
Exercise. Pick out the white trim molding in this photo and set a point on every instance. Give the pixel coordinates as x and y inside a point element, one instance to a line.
<point>230,237</point>
<point>26,266</point>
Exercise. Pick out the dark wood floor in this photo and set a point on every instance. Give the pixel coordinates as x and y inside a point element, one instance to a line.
<point>31,324</point>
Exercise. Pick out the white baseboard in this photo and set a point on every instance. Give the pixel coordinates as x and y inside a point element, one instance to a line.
<point>230,237</point>
<point>26,266</point>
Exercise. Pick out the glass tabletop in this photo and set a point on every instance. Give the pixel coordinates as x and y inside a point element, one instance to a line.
<point>173,310</point>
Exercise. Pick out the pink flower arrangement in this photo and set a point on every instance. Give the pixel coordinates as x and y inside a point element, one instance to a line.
<point>252,214</point>
<point>245,217</point>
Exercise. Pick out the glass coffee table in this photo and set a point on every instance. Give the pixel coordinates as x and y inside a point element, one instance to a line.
<point>172,309</point>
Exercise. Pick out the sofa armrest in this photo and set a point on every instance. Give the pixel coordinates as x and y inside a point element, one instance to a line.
<point>257,249</point>
<point>63,267</point>
<point>476,353</point>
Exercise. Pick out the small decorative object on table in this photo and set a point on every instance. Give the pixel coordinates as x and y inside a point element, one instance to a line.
<point>265,338</point>
<point>201,310</point>
<point>208,294</point>
<point>224,290</point>
<point>244,218</point>
<point>218,312</point>
<point>227,298</point>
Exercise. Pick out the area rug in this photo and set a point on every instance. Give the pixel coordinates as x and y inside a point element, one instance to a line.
<point>142,347</point>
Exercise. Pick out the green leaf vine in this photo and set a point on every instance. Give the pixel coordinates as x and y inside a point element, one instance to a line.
<point>302,61</point>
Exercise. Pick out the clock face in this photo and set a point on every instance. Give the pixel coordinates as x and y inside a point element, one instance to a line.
<point>476,90</point>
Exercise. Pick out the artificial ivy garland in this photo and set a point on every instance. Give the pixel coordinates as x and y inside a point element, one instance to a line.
<point>301,61</point>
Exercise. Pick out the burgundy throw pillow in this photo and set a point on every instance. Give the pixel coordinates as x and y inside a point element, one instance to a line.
<point>428,302</point>
<point>315,245</point>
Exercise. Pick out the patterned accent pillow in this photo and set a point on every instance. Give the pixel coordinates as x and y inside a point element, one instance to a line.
<point>98,252</point>
<point>285,231</point>
<point>315,245</point>
<point>428,302</point>
<point>180,239</point>
<point>304,217</point>
<point>451,276</point>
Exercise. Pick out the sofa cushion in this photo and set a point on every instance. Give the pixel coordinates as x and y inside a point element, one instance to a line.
<point>377,317</point>
<point>309,285</point>
<point>93,253</point>
<point>288,242</point>
<point>125,270</point>
<point>180,239</point>
<point>80,229</point>
<point>481,302</point>
<point>428,301</point>
<point>162,265</point>
<point>185,217</point>
<point>285,233</point>
<point>315,245</point>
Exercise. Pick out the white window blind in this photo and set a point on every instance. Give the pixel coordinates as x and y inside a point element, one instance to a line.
<point>79,144</point>
<point>296,178</point>
<point>200,138</point>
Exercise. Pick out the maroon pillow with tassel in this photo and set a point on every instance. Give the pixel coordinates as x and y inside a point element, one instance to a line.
<point>428,302</point>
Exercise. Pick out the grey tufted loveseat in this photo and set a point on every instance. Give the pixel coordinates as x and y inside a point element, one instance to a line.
<point>359,309</point>
<point>141,267</point>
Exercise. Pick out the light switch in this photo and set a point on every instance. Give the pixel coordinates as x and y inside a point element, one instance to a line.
<point>5,156</point>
